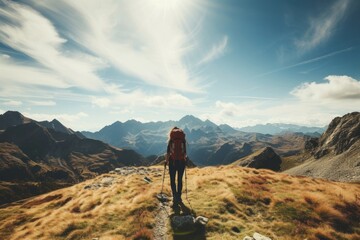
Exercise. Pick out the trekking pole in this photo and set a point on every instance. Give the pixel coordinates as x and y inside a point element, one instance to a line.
<point>162,185</point>
<point>186,191</point>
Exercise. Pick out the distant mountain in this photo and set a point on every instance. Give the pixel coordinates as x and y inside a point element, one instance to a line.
<point>280,128</point>
<point>208,143</point>
<point>36,159</point>
<point>151,138</point>
<point>14,118</point>
<point>265,158</point>
<point>336,154</point>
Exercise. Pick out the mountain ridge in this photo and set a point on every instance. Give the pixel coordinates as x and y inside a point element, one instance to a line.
<point>280,128</point>
<point>36,158</point>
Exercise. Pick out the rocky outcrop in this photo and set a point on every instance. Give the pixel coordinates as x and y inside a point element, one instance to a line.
<point>341,134</point>
<point>335,155</point>
<point>264,158</point>
<point>311,144</point>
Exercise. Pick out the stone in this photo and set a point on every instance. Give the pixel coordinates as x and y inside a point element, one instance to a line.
<point>248,238</point>
<point>162,197</point>
<point>107,181</point>
<point>148,180</point>
<point>258,236</point>
<point>183,223</point>
<point>201,220</point>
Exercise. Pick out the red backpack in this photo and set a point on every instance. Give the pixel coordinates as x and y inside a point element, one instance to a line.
<point>177,144</point>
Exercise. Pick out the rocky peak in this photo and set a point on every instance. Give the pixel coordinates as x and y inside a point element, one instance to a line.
<point>264,158</point>
<point>57,126</point>
<point>12,118</point>
<point>340,135</point>
<point>190,121</point>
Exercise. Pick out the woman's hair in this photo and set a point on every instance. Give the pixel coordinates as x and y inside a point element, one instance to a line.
<point>170,133</point>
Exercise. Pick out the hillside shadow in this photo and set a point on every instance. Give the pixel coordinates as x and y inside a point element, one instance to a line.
<point>195,231</point>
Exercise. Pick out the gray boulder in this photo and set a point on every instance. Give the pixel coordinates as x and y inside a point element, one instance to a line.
<point>256,236</point>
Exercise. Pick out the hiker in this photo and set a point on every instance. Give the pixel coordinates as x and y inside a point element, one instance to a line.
<point>176,159</point>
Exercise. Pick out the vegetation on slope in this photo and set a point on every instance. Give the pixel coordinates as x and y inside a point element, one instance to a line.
<point>238,202</point>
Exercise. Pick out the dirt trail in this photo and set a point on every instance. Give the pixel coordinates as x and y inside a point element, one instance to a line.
<point>162,225</point>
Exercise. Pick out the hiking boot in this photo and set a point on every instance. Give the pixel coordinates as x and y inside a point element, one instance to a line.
<point>174,205</point>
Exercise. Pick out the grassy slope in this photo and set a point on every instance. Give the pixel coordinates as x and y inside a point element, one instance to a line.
<point>237,200</point>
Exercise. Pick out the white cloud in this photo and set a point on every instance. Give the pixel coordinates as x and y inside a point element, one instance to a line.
<point>261,112</point>
<point>215,52</point>
<point>139,98</point>
<point>101,102</point>
<point>27,31</point>
<point>230,109</point>
<point>322,27</point>
<point>336,88</point>
<point>314,104</point>
<point>12,103</point>
<point>22,76</point>
<point>67,119</point>
<point>139,38</point>
<point>43,103</point>
<point>170,100</point>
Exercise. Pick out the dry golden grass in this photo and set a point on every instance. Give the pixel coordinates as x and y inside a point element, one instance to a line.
<point>118,211</point>
<point>238,201</point>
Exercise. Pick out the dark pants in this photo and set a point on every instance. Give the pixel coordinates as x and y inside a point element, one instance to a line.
<point>179,167</point>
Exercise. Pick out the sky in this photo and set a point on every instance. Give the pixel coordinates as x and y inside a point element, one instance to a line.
<point>240,62</point>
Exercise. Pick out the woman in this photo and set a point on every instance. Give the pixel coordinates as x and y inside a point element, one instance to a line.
<point>176,159</point>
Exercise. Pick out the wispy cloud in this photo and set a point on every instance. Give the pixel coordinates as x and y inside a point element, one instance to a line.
<point>136,37</point>
<point>27,31</point>
<point>323,26</point>
<point>12,103</point>
<point>70,42</point>
<point>102,102</point>
<point>42,103</point>
<point>316,59</point>
<point>215,52</point>
<point>65,118</point>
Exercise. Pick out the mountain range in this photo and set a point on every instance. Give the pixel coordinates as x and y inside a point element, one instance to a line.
<point>313,154</point>
<point>280,128</point>
<point>37,157</point>
<point>208,143</point>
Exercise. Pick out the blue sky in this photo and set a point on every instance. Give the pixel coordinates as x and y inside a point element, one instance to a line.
<point>90,63</point>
